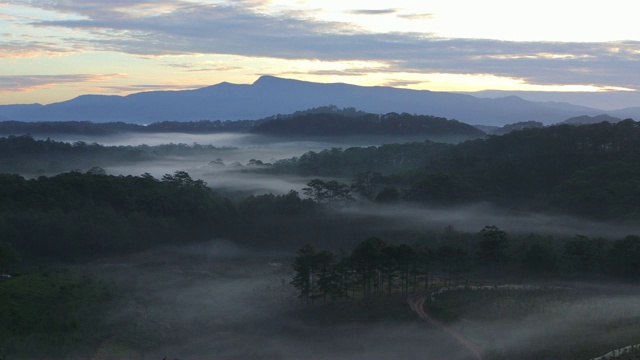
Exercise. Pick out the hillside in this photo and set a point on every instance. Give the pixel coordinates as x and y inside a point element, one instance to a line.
<point>589,170</point>
<point>271,95</point>
<point>323,121</point>
<point>391,124</point>
<point>585,119</point>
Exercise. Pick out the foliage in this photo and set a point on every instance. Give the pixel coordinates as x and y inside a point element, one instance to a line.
<point>391,124</point>
<point>492,246</point>
<point>328,192</point>
<point>374,267</point>
<point>24,154</point>
<point>73,215</point>
<point>111,128</point>
<point>9,257</point>
<point>60,313</point>
<point>589,170</point>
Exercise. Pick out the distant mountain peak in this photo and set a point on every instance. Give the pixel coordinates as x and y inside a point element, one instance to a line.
<point>270,79</point>
<point>270,95</point>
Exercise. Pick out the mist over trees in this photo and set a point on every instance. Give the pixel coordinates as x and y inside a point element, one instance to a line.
<point>585,170</point>
<point>315,122</point>
<point>391,124</point>
<point>26,155</point>
<point>74,216</point>
<point>375,267</point>
<point>344,254</point>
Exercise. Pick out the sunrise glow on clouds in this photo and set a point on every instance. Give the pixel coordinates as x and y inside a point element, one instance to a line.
<point>55,50</point>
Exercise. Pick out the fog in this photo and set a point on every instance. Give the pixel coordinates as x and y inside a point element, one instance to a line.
<point>221,300</point>
<point>217,300</point>
<point>228,179</point>
<point>560,323</point>
<point>472,218</point>
<point>225,169</point>
<point>234,150</point>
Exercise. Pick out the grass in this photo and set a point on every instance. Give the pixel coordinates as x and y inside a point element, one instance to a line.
<point>58,312</point>
<point>545,323</point>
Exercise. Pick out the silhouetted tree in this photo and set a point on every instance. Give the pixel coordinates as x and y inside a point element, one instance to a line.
<point>303,265</point>
<point>328,192</point>
<point>492,246</point>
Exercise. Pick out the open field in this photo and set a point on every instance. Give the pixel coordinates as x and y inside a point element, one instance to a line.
<point>581,321</point>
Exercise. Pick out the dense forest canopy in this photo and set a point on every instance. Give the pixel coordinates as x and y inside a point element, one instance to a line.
<point>589,170</point>
<point>345,253</point>
<point>323,121</point>
<point>392,124</point>
<point>73,216</point>
<point>26,155</point>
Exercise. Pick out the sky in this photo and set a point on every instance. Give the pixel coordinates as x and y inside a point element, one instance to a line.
<point>52,51</point>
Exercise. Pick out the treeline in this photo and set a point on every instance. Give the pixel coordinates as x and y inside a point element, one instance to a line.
<point>204,126</point>
<point>75,216</point>
<point>24,154</point>
<point>324,121</point>
<point>391,124</point>
<point>375,267</point>
<point>589,170</point>
<point>385,159</point>
<point>111,128</point>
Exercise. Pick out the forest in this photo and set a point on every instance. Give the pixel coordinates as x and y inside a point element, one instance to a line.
<point>315,122</point>
<point>112,254</point>
<point>590,171</point>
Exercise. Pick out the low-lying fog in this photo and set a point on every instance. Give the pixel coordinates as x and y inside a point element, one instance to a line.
<point>216,300</point>
<point>472,218</point>
<point>234,150</point>
<point>239,149</point>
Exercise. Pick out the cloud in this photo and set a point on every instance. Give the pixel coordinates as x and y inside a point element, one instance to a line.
<point>416,16</point>
<point>30,49</point>
<point>333,72</point>
<point>148,87</point>
<point>146,28</point>
<point>18,83</point>
<point>373,12</point>
<point>199,67</point>
<point>400,83</point>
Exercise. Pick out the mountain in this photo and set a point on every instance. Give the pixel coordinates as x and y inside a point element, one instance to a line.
<point>271,95</point>
<point>584,119</point>
<point>626,113</point>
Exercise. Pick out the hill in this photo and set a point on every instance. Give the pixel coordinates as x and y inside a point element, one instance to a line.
<point>585,119</point>
<point>589,170</point>
<point>322,121</point>
<point>271,95</point>
<point>391,124</point>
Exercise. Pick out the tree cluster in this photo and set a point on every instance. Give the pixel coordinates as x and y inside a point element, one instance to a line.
<point>589,170</point>
<point>375,267</point>
<point>392,124</point>
<point>24,154</point>
<point>78,215</point>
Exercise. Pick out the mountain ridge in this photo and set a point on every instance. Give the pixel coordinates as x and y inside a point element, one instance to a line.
<point>270,95</point>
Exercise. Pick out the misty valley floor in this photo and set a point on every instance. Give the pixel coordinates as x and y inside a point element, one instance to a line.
<point>201,302</point>
<point>216,300</point>
<point>220,300</point>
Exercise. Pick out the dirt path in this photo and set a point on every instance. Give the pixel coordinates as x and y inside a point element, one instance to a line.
<point>417,303</point>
